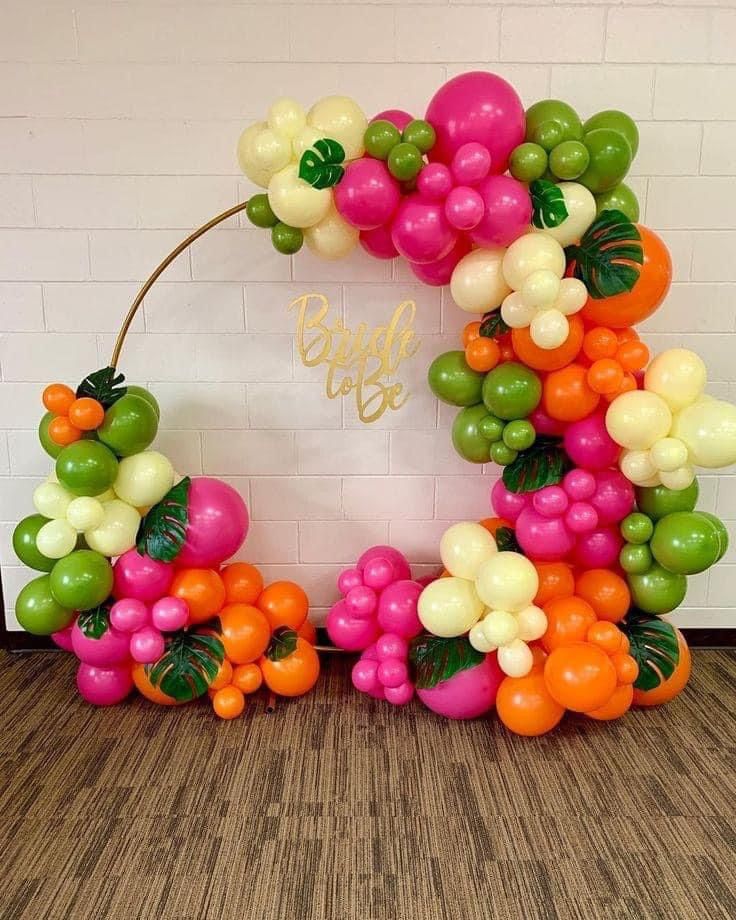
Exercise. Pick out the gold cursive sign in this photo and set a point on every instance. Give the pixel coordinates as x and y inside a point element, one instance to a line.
<point>362,361</point>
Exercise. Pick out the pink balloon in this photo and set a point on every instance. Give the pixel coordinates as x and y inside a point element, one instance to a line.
<point>104,686</point>
<point>477,106</point>
<point>147,645</point>
<point>598,549</point>
<point>614,496</point>
<point>397,609</point>
<point>434,181</point>
<point>542,538</point>
<point>580,485</point>
<point>399,560</point>
<point>544,424</point>
<point>349,578</point>
<point>378,243</point>
<point>468,694</point>
<point>140,577</point>
<point>367,195</point>
<point>588,443</point>
<point>110,648</point>
<point>361,602</point>
<point>364,676</point>
<point>440,272</point>
<point>391,645</point>
<point>471,163</point>
<point>508,505</point>
<point>464,208</point>
<point>421,231</point>
<point>581,517</point>
<point>169,614</point>
<point>218,523</point>
<point>63,638</point>
<point>398,118</point>
<point>348,632</point>
<point>551,501</point>
<point>129,614</point>
<point>507,211</point>
<point>378,573</point>
<point>392,672</point>
<point>400,695</point>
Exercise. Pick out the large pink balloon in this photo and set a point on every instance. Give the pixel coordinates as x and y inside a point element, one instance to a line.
<point>507,211</point>
<point>544,539</point>
<point>397,609</point>
<point>440,272</point>
<point>104,686</point>
<point>477,106</point>
<point>140,577</point>
<point>468,694</point>
<point>367,195</point>
<point>218,523</point>
<point>598,549</point>
<point>378,242</point>
<point>421,231</point>
<point>588,443</point>
<point>111,648</point>
<point>614,496</point>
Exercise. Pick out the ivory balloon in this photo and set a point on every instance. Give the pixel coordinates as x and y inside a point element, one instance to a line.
<point>464,547</point>
<point>668,454</point>
<point>477,639</point>
<point>637,467</point>
<point>477,284</point>
<point>287,117</point>
<point>499,627</point>
<point>516,312</point>
<point>581,211</point>
<point>678,375</point>
<point>143,479</point>
<point>515,659</point>
<point>294,201</point>
<point>343,120</point>
<point>56,539</point>
<point>637,419</point>
<point>507,581</point>
<point>449,607</point>
<point>52,500</point>
<point>333,237</point>
<point>532,623</point>
<point>678,479</point>
<point>549,329</point>
<point>85,513</point>
<point>572,296</point>
<point>541,289</point>
<point>304,140</point>
<point>262,152</point>
<point>531,253</point>
<point>708,428</point>
<point>118,530</point>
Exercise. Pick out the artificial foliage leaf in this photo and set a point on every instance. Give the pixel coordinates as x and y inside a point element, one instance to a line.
<point>548,204</point>
<point>506,541</point>
<point>282,644</point>
<point>162,531</point>
<point>320,165</point>
<point>94,623</point>
<point>103,385</point>
<point>604,255</point>
<point>654,646</point>
<point>436,659</point>
<point>492,325</point>
<point>188,666</point>
<point>542,464</point>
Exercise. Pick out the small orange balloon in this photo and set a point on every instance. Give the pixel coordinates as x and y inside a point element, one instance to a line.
<point>308,631</point>
<point>247,677</point>
<point>555,580</point>
<point>568,621</point>
<point>243,583</point>
<point>627,668</point>
<point>606,636</point>
<point>606,592</point>
<point>482,354</point>
<point>470,332</point>
<point>223,677</point>
<point>549,359</point>
<point>62,432</point>
<point>580,677</point>
<point>244,631</point>
<point>525,706</point>
<point>633,356</point>
<point>285,604</point>
<point>600,342</point>
<point>619,703</point>
<point>566,395</point>
<point>86,413</point>
<point>203,591</point>
<point>228,702</point>
<point>605,376</point>
<point>57,397</point>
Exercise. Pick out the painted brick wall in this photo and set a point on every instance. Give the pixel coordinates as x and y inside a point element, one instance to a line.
<point>118,123</point>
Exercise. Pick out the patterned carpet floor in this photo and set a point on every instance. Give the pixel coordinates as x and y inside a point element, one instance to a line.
<point>336,807</point>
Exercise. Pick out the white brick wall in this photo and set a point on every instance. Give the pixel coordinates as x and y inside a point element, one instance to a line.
<point>118,123</point>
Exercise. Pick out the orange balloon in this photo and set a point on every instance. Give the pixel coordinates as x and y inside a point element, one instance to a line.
<point>549,359</point>
<point>525,706</point>
<point>243,583</point>
<point>606,592</point>
<point>244,631</point>
<point>86,413</point>
<point>633,356</point>
<point>223,677</point>
<point>627,667</point>
<point>203,591</point>
<point>228,702</point>
<point>146,688</point>
<point>619,703</point>
<point>671,686</point>
<point>285,604</point>
<point>492,524</point>
<point>470,332</point>
<point>57,397</point>
<point>539,656</point>
<point>293,675</point>
<point>566,395</point>
<point>482,354</point>
<point>580,677</point>
<point>247,677</point>
<point>605,635</point>
<point>308,631</point>
<point>600,342</point>
<point>62,432</point>
<point>650,289</point>
<point>605,376</point>
<point>568,621</point>
<point>555,580</point>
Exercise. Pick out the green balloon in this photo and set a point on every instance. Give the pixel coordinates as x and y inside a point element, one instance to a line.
<point>405,161</point>
<point>721,531</point>
<point>657,590</point>
<point>148,396</point>
<point>491,428</point>
<point>519,435</point>
<point>467,438</point>
<point>548,135</point>
<point>685,542</point>
<point>87,467</point>
<point>511,391</point>
<point>635,559</point>
<point>453,381</point>
<point>502,454</point>
<point>130,425</point>
<point>51,447</point>
<point>619,198</point>
<point>558,113</point>
<point>287,240</point>
<point>24,543</point>
<point>616,121</point>
<point>380,138</point>
<point>656,501</point>
<point>38,612</point>
<point>637,528</point>
<point>569,159</point>
<point>258,211</point>
<point>421,134</point>
<point>81,580</point>
<point>610,158</point>
<point>528,162</point>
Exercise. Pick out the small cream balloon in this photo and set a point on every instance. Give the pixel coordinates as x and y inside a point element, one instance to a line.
<point>708,428</point>
<point>143,479</point>
<point>477,639</point>
<point>572,297</point>
<point>679,479</point>
<point>477,284</point>
<point>581,211</point>
<point>304,140</point>
<point>449,607</point>
<point>85,513</point>
<point>540,289</point>
<point>464,547</point>
<point>531,253</point>
<point>516,312</point>
<point>56,539</point>
<point>262,152</point>
<point>549,329</point>
<point>499,627</point>
<point>515,659</point>
<point>678,375</point>
<point>333,237</point>
<point>118,530</point>
<point>637,467</point>
<point>294,201</point>
<point>341,119</point>
<point>637,419</point>
<point>507,581</point>
<point>287,117</point>
<point>668,454</point>
<point>532,623</point>
<point>52,500</point>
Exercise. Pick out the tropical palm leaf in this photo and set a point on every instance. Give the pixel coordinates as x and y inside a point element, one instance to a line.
<point>282,644</point>
<point>542,464</point>
<point>188,666</point>
<point>548,204</point>
<point>436,659</point>
<point>94,623</point>
<point>320,165</point>
<point>162,531</point>
<point>103,385</point>
<point>654,646</point>
<point>604,255</point>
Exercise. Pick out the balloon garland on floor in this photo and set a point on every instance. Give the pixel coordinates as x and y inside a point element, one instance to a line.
<point>556,603</point>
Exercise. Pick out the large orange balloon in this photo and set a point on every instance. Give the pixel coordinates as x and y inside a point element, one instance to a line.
<point>285,604</point>
<point>606,592</point>
<point>580,677</point>
<point>146,688</point>
<point>674,684</point>
<point>566,395</point>
<point>293,675</point>
<point>549,359</point>
<point>245,632</point>
<point>568,621</point>
<point>619,703</point>
<point>650,289</point>
<point>243,583</point>
<point>203,591</point>
<point>555,580</point>
<point>525,706</point>
<point>493,524</point>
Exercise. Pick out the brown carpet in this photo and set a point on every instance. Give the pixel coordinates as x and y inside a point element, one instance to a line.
<point>337,807</point>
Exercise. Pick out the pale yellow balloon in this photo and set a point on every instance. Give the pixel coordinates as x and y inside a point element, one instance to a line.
<point>708,428</point>
<point>515,659</point>
<point>678,479</point>
<point>464,547</point>
<point>637,419</point>
<point>51,500</point>
<point>668,454</point>
<point>143,479</point>
<point>541,289</point>
<point>549,329</point>
<point>294,201</point>
<point>516,312</point>
<point>341,119</point>
<point>532,623</point>
<point>638,467</point>
<point>449,607</point>
<point>581,211</point>
<point>56,539</point>
<point>85,513</point>
<point>678,375</point>
<point>118,530</point>
<point>287,117</point>
<point>507,581</point>
<point>262,152</point>
<point>499,627</point>
<point>333,237</point>
<point>304,140</point>
<point>572,297</point>
<point>477,639</point>
<point>477,284</point>
<point>531,253</point>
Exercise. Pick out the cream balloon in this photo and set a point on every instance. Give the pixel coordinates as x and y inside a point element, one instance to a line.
<point>678,479</point>
<point>287,117</point>
<point>572,297</point>
<point>341,119</point>
<point>304,140</point>
<point>507,581</point>
<point>52,500</point>
<point>118,530</point>
<point>708,428</point>
<point>449,607</point>
<point>56,539</point>
<point>581,211</point>
<point>477,639</point>
<point>333,237</point>
<point>531,253</point>
<point>668,454</point>
<point>678,375</point>
<point>515,659</point>
<point>532,623</point>
<point>262,152</point>
<point>516,312</point>
<point>637,419</point>
<point>499,627</point>
<point>540,289</point>
<point>85,513</point>
<point>477,284</point>
<point>143,479</point>
<point>294,201</point>
<point>549,329</point>
<point>637,467</point>
<point>464,547</point>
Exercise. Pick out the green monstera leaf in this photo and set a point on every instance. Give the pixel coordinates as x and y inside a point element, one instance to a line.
<point>436,659</point>
<point>506,541</point>
<point>542,464</point>
<point>282,644</point>
<point>104,385</point>
<point>548,203</point>
<point>321,164</point>
<point>94,623</point>
<point>162,531</point>
<point>654,646</point>
<point>492,325</point>
<point>604,255</point>
<point>188,666</point>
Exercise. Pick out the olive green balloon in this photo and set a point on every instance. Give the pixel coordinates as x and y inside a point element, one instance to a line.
<point>720,529</point>
<point>511,391</point>
<point>528,162</point>
<point>37,610</point>
<point>130,425</point>
<point>258,210</point>
<point>657,590</point>
<point>24,543</point>
<point>610,158</point>
<point>421,134</point>
<point>656,501</point>
<point>619,198</point>
<point>452,380</point>
<point>502,454</point>
<point>616,121</point>
<point>148,396</point>
<point>466,434</point>
<point>635,558</point>
<point>685,542</point>
<point>569,160</point>
<point>82,580</point>
<point>380,138</point>
<point>637,527</point>
<point>51,447</point>
<point>287,240</point>
<point>87,467</point>
<point>556,112</point>
<point>405,161</point>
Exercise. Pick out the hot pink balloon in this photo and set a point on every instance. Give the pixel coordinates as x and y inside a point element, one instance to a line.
<point>434,181</point>
<point>507,211</point>
<point>378,573</point>
<point>477,107</point>
<point>543,538</point>
<point>399,560</point>
<point>392,672</point>
<point>361,602</point>
<point>170,614</point>
<point>147,645</point>
<point>506,504</point>
<point>110,648</point>
<point>420,230</point>
<point>367,195</point>
<point>588,443</point>
<point>349,578</point>
<point>129,615</point>
<point>598,549</point>
<point>364,676</point>
<point>397,609</point>
<point>464,207</point>
<point>63,638</point>
<point>468,694</point>
<point>401,695</point>
<point>614,496</point>
<point>545,424</point>
<point>579,484</point>
<point>581,518</point>
<point>391,645</point>
<point>398,118</point>
<point>104,686</point>
<point>440,272</point>
<point>348,632</point>
<point>141,577</point>
<point>471,164</point>
<point>218,523</point>
<point>378,242</point>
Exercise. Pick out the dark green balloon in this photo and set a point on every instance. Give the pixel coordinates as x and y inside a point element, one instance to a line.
<point>148,396</point>
<point>51,447</point>
<point>720,529</point>
<point>616,121</point>
<point>287,240</point>
<point>637,528</point>
<point>657,590</point>
<point>24,543</point>
<point>421,134</point>
<point>558,113</point>
<point>685,542</point>
<point>619,198</point>
<point>38,612</point>
<point>569,160</point>
<point>610,158</point>
<point>453,381</point>
<point>511,391</point>
<point>380,138</point>
<point>528,162</point>
<point>130,425</point>
<point>405,161</point>
<point>466,435</point>
<point>87,467</point>
<point>81,580</point>
<point>656,501</point>
<point>258,211</point>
